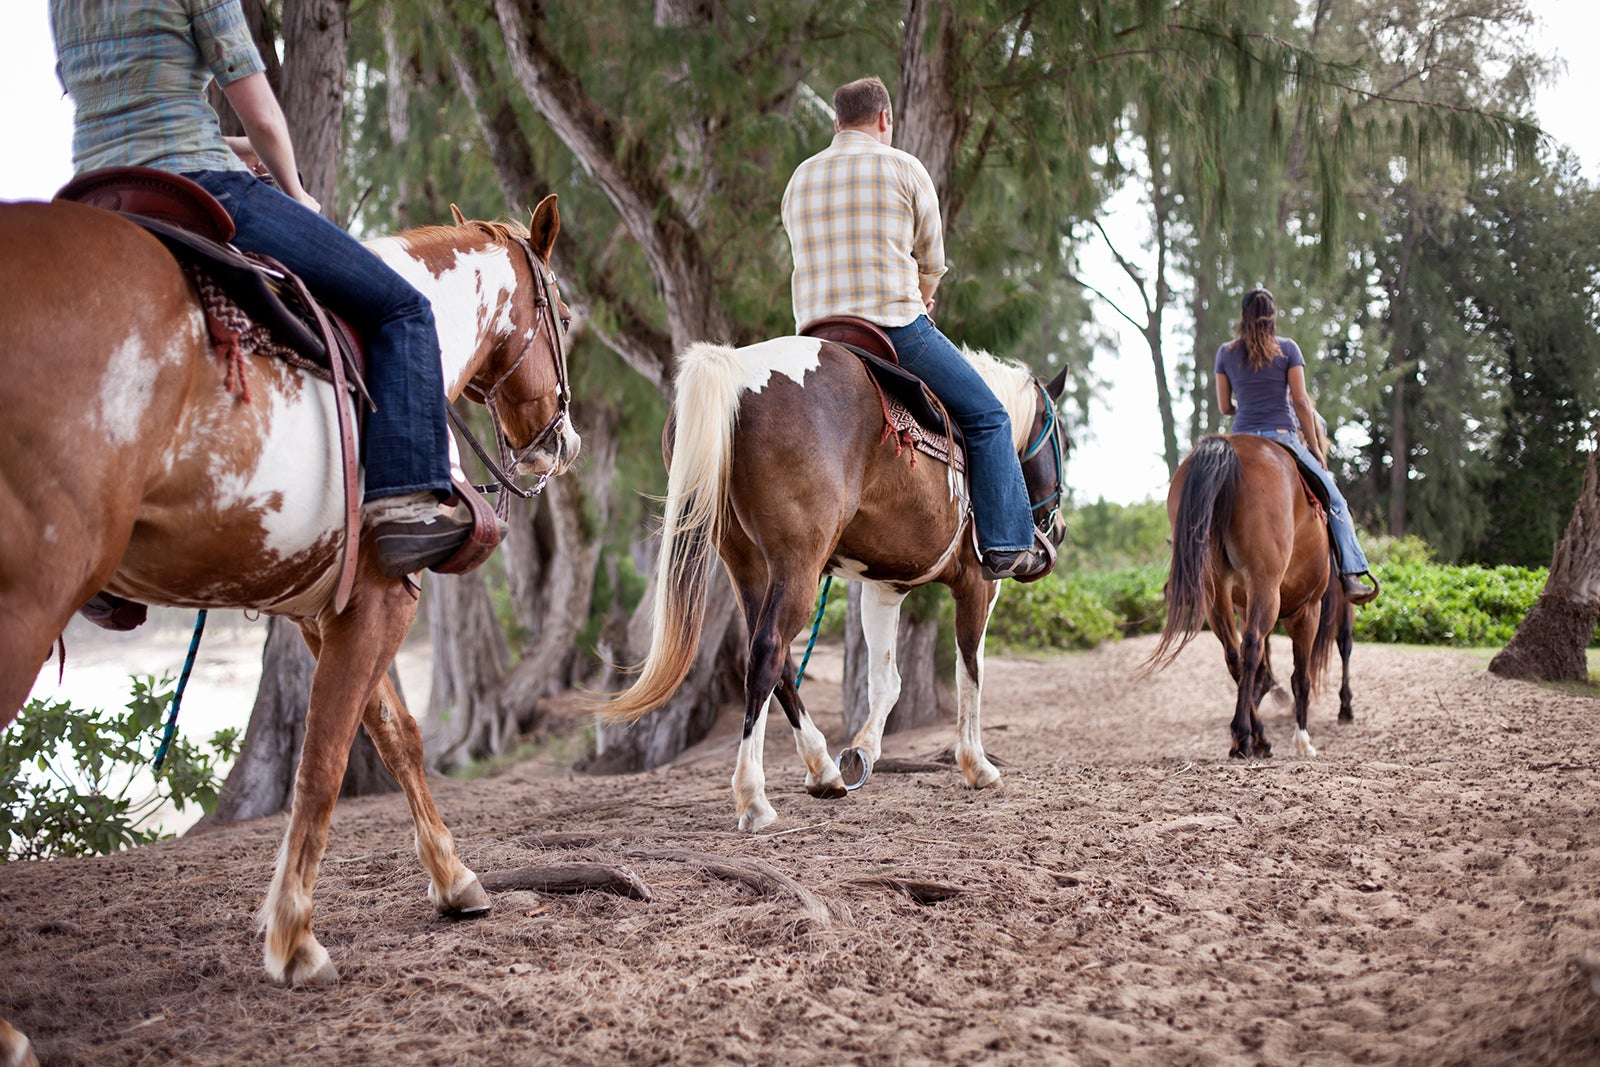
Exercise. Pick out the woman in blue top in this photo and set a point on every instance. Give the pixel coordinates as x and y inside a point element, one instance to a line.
<point>1261,382</point>
<point>137,71</point>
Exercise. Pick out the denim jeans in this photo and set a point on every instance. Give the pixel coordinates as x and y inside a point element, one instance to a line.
<point>999,497</point>
<point>405,445</point>
<point>1351,559</point>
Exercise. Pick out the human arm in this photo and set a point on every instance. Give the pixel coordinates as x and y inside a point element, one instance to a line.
<point>1225,394</point>
<point>268,133</point>
<point>1306,412</point>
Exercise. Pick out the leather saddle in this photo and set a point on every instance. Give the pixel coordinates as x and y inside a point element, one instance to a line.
<point>196,230</point>
<point>876,352</point>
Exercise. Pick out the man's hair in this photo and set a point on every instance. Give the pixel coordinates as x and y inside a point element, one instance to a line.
<point>860,101</point>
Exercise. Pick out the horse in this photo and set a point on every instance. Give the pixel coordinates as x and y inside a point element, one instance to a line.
<point>1247,540</point>
<point>133,461</point>
<point>780,462</point>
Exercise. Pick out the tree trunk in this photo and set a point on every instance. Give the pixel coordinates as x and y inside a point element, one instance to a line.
<point>915,648</point>
<point>262,778</point>
<point>465,717</point>
<point>316,37</point>
<point>1552,642</point>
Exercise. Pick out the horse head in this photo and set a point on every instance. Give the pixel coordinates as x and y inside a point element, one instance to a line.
<point>1044,459</point>
<point>519,368</point>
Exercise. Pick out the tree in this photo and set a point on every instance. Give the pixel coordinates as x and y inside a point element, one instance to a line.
<point>1551,642</point>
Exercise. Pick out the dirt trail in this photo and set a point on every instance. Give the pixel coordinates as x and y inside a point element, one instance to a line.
<point>1415,894</point>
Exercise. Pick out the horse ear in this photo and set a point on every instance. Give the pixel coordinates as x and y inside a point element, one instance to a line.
<point>461,220</point>
<point>1057,386</point>
<point>544,227</point>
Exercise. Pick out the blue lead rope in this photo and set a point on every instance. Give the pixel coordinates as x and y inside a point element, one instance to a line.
<point>816,624</point>
<point>177,697</point>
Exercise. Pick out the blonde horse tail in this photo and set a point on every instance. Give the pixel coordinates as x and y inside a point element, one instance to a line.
<point>709,382</point>
<point>1205,507</point>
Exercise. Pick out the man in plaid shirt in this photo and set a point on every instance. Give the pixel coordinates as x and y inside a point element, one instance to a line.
<point>863,225</point>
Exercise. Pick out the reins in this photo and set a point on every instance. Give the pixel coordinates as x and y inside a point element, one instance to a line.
<point>1047,433</point>
<point>544,305</point>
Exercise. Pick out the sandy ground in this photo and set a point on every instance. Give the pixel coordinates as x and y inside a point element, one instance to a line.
<point>1417,893</point>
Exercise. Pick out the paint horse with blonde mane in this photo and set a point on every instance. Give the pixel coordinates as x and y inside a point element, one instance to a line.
<point>128,465</point>
<point>781,465</point>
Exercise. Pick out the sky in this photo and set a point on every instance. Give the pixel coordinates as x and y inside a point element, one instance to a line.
<point>1117,459</point>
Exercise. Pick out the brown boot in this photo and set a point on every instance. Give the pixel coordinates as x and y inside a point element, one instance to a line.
<point>1023,565</point>
<point>1358,592</point>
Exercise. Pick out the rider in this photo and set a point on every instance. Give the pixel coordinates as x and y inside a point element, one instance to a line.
<point>864,227</point>
<point>1261,382</point>
<point>137,71</point>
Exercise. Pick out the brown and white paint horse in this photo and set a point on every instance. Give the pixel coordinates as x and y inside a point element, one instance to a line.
<point>1249,551</point>
<point>127,465</point>
<point>779,463</point>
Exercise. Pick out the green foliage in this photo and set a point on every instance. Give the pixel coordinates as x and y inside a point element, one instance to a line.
<point>1440,604</point>
<point>1133,595</point>
<point>1060,612</point>
<point>67,775</point>
<point>1103,536</point>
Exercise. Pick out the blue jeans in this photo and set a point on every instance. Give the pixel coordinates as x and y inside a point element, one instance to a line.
<point>1351,559</point>
<point>405,445</point>
<point>999,497</point>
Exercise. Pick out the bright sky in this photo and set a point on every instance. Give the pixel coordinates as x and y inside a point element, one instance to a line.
<point>1120,457</point>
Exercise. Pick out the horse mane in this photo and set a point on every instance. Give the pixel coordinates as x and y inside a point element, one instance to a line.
<point>1012,384</point>
<point>499,233</point>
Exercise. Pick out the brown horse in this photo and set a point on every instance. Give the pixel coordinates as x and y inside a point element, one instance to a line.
<point>1246,540</point>
<point>127,464</point>
<point>780,464</point>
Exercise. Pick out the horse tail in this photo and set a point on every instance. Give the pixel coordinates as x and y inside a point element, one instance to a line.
<point>1205,507</point>
<point>1330,618</point>
<point>708,383</point>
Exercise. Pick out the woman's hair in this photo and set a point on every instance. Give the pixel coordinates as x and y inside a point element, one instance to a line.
<point>1257,329</point>
<point>860,101</point>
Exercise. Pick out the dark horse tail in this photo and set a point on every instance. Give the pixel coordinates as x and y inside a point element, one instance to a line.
<point>709,381</point>
<point>1205,507</point>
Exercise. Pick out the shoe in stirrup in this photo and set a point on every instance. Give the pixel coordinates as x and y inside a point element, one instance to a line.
<point>411,532</point>
<point>1023,564</point>
<point>1357,591</point>
<point>111,612</point>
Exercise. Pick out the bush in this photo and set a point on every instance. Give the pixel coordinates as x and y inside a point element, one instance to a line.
<point>1059,612</point>
<point>66,775</point>
<point>1438,604</point>
<point>1133,595</point>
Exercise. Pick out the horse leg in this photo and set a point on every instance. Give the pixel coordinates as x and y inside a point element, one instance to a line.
<point>355,649</point>
<point>972,621</point>
<point>1346,640</point>
<point>880,623</point>
<point>15,1050</point>
<point>1248,737</point>
<point>823,779</point>
<point>1302,628</point>
<point>778,620</point>
<point>453,888</point>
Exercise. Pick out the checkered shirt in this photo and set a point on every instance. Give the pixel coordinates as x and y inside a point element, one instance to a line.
<point>863,224</point>
<point>137,71</point>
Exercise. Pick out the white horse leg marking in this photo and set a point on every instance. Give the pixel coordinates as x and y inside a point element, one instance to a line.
<point>821,773</point>
<point>979,772</point>
<point>294,956</point>
<point>1302,742</point>
<point>750,778</point>
<point>880,623</point>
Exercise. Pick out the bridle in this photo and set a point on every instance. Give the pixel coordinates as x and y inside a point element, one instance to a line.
<point>545,309</point>
<point>1049,432</point>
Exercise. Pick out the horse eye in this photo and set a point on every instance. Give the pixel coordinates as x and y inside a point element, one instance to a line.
<point>566,323</point>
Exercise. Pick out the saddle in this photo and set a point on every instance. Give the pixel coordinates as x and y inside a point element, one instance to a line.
<point>1316,493</point>
<point>876,352</point>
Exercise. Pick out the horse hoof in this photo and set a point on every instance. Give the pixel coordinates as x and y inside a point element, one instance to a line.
<point>830,790</point>
<point>855,767</point>
<point>757,818</point>
<point>471,902</point>
<point>310,966</point>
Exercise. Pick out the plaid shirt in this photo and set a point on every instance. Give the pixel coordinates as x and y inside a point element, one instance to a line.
<point>863,224</point>
<point>137,71</point>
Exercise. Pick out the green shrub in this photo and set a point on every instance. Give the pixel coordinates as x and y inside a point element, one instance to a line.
<point>1059,612</point>
<point>1133,595</point>
<point>1103,536</point>
<point>66,775</point>
<point>1439,604</point>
